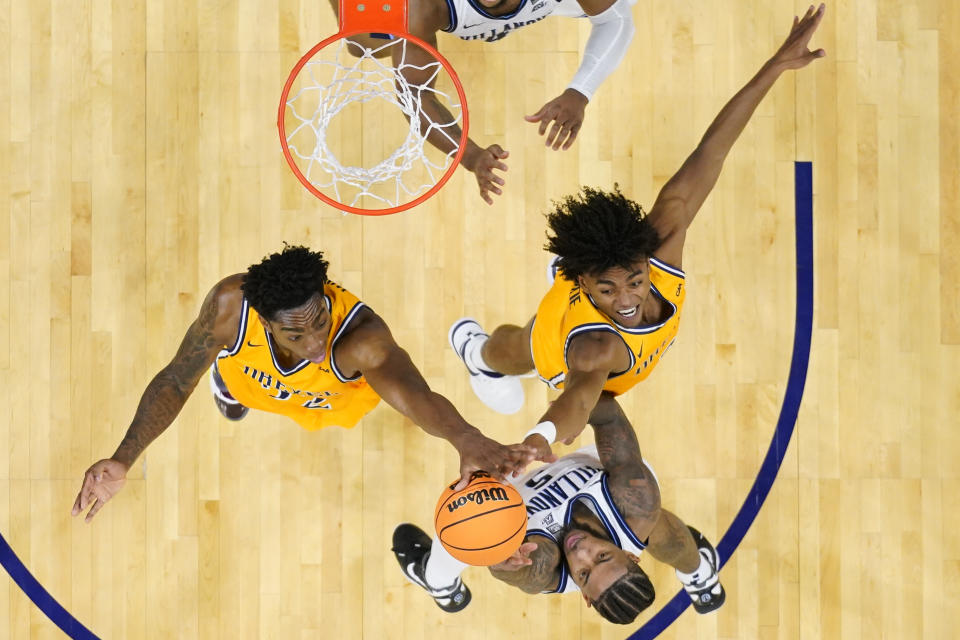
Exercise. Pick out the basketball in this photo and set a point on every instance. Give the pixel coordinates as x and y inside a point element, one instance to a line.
<point>483,523</point>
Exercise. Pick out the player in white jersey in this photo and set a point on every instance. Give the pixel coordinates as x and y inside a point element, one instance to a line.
<point>590,515</point>
<point>490,20</point>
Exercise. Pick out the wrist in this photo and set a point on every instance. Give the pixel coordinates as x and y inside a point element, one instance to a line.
<point>773,68</point>
<point>126,454</point>
<point>536,441</point>
<point>470,156</point>
<point>124,460</point>
<point>575,94</point>
<point>546,430</point>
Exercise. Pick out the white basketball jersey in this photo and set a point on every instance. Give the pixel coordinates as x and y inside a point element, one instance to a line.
<point>470,21</point>
<point>550,492</point>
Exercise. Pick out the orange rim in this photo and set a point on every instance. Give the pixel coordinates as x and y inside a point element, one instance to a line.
<point>281,127</point>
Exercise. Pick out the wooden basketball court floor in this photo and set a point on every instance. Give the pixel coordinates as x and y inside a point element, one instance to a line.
<point>140,164</point>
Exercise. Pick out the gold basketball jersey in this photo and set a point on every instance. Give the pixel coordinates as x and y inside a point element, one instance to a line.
<point>315,395</point>
<point>567,311</point>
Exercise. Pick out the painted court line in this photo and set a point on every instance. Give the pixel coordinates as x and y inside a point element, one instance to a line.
<point>803,327</point>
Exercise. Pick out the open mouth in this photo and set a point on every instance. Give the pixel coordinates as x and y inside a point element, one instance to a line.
<point>317,359</point>
<point>628,313</point>
<point>572,540</point>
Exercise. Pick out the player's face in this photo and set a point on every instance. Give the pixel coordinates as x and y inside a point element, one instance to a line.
<point>303,331</point>
<point>620,293</point>
<point>595,563</point>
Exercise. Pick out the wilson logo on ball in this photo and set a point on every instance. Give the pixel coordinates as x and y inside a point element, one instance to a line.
<point>483,523</point>
<point>478,497</point>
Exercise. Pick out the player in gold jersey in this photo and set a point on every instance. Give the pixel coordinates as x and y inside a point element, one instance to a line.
<point>615,307</point>
<point>282,338</point>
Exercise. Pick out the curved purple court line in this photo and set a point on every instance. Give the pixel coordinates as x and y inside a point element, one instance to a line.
<point>25,580</point>
<point>803,328</point>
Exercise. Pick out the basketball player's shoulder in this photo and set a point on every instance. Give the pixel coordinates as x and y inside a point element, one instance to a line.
<point>363,340</point>
<point>228,294</point>
<point>223,306</point>
<point>590,350</point>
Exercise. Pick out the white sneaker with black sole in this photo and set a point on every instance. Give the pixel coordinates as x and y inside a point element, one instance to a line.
<point>706,592</point>
<point>500,392</point>
<point>411,546</point>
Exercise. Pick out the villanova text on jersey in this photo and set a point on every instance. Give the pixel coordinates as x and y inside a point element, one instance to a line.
<point>500,32</point>
<point>552,491</point>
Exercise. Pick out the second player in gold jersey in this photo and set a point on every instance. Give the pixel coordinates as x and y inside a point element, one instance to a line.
<point>568,310</point>
<point>615,310</point>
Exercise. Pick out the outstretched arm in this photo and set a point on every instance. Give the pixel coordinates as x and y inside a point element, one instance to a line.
<point>610,36</point>
<point>166,394</point>
<point>684,194</point>
<point>419,69</point>
<point>370,349</point>
<point>591,356</point>
<point>634,489</point>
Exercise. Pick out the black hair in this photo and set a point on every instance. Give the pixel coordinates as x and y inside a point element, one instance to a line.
<point>623,601</point>
<point>284,280</point>
<point>597,230</point>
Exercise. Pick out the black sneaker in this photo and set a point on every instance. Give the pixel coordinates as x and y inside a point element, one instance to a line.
<point>228,406</point>
<point>411,546</point>
<point>706,591</point>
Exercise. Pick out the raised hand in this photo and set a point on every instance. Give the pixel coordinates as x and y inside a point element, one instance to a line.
<point>479,452</point>
<point>482,163</point>
<point>540,448</point>
<point>793,53</point>
<point>566,113</point>
<point>100,483</point>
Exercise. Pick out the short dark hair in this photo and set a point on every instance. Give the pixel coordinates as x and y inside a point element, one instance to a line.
<point>284,280</point>
<point>623,601</point>
<point>596,230</point>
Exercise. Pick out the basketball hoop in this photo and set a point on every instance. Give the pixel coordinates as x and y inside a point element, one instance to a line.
<point>355,129</point>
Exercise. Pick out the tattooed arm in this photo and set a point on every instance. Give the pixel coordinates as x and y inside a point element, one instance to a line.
<point>632,485</point>
<point>534,568</point>
<point>215,326</point>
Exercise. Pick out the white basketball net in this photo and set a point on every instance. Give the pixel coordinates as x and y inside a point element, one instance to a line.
<point>327,85</point>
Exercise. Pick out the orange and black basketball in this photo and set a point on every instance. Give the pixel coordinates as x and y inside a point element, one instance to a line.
<point>483,523</point>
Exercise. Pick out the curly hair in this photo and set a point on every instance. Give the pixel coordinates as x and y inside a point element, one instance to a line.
<point>284,280</point>
<point>597,230</point>
<point>623,601</point>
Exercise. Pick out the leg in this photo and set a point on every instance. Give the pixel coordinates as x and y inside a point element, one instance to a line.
<point>493,362</point>
<point>508,349</point>
<point>428,565</point>
<point>672,543</point>
<point>694,558</point>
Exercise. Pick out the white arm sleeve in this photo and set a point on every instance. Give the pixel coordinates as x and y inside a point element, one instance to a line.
<point>609,39</point>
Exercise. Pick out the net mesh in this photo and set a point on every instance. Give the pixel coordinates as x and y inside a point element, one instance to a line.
<point>393,163</point>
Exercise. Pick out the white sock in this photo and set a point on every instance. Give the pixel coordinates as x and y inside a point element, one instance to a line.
<point>474,356</point>
<point>442,569</point>
<point>704,571</point>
